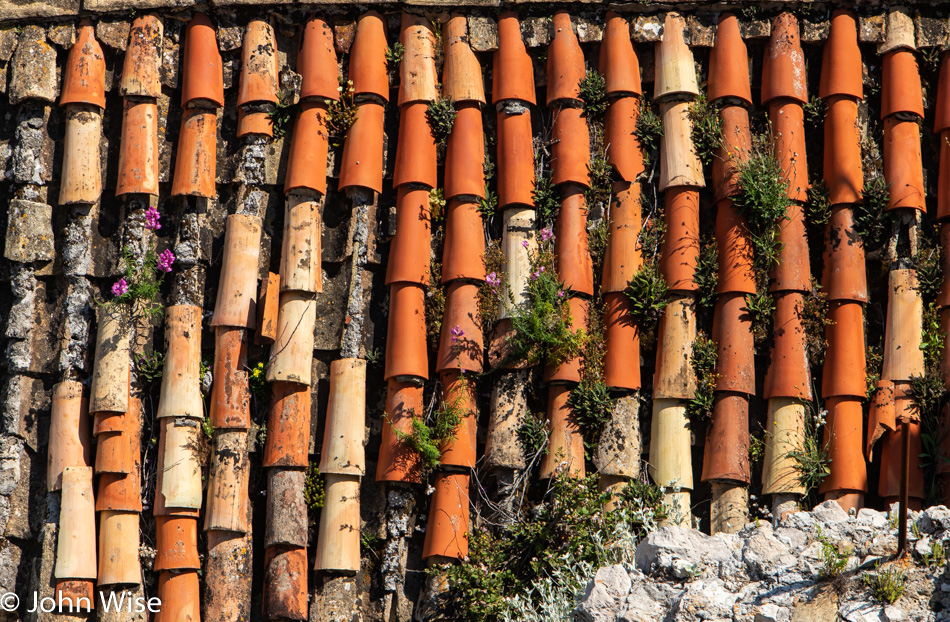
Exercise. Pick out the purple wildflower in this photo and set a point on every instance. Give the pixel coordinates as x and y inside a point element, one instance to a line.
<point>494,280</point>
<point>560,294</point>
<point>456,333</point>
<point>546,234</point>
<point>119,288</point>
<point>152,218</point>
<point>524,243</point>
<point>165,261</point>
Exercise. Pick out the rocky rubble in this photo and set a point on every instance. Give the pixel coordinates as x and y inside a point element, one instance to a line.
<point>766,574</point>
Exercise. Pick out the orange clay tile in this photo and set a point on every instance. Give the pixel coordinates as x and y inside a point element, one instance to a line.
<point>942,107</point>
<point>409,252</point>
<point>565,68</point>
<point>681,246</point>
<point>138,151</point>
<point>316,62</point>
<point>397,461</point>
<point>362,159</point>
<point>783,67</point>
<point>673,377</point>
<point>900,84</point>
<point>285,583</point>
<point>889,482</point>
<point>843,171</point>
<point>202,79</point>
<point>267,310</point>
<point>300,250</point>
<point>143,57</point>
<point>903,166</point>
<point>114,451</point>
<point>176,543</point>
<point>76,541</point>
<point>675,69</point>
<point>513,72</point>
<point>843,368</point>
<point>572,258</point>
<point>566,443</point>
<point>180,393</point>
<point>343,452</point>
<point>285,518</point>
<point>788,134</point>
<point>406,345</point>
<point>515,159</point>
<point>368,69</point>
<point>464,247</point>
<point>463,351</point>
<point>569,371</point>
<point>226,505</point>
<point>121,491</point>
<point>465,154</point>
<point>882,416</point>
<point>159,508</point>
<point>732,332</point>
<point>570,153</point>
<point>447,531</point>
<point>943,177</point>
<point>620,141</point>
<point>415,151</point>
<point>254,123</point>
<point>236,304</point>
<point>119,549</point>
<point>180,594</point>
<point>81,172</point>
<point>622,338</point>
<point>734,150</point>
<point>733,239</point>
<point>726,455</point>
<point>288,426</point>
<point>788,374</point>
<point>622,256</point>
<point>417,73</point>
<point>68,432</point>
<point>258,64</point>
<point>197,154</point>
<point>76,593</point>
<point>843,277</point>
<point>793,272</point>
<point>338,540</point>
<point>459,393</point>
<point>462,77</point>
<point>845,441</point>
<point>109,390</point>
<point>307,161</point>
<point>729,63</point>
<point>679,164</point>
<point>230,399</point>
<point>618,61</point>
<point>841,71</point>
<point>84,75</point>
<point>903,357</point>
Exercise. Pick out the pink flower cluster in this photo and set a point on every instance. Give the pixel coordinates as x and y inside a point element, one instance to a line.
<point>165,261</point>
<point>152,218</point>
<point>120,288</point>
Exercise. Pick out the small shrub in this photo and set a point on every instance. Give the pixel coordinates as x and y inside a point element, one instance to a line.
<point>281,115</point>
<point>488,206</point>
<point>703,360</point>
<point>427,439</point>
<point>814,111</point>
<point>812,461</point>
<point>207,428</point>
<point>760,306</point>
<point>599,191</point>
<point>707,274</point>
<point>488,291</point>
<point>929,272</point>
<point>932,337</point>
<point>648,294</point>
<point>707,129</point>
<point>533,434</point>
<point>875,362</point>
<point>441,117</point>
<point>150,365</point>
<point>141,282</point>
<point>341,113</point>
<point>886,585</point>
<point>814,320</point>
<point>434,301</point>
<point>649,130</point>
<point>591,405</point>
<point>937,556</point>
<point>394,54</point>
<point>543,324</point>
<point>436,207</point>
<point>763,200</point>
<point>593,91</point>
<point>870,217</point>
<point>547,201</point>
<point>257,381</point>
<point>819,203</point>
<point>834,560</point>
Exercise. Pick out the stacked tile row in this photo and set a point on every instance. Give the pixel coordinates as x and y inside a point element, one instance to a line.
<point>893,416</point>
<point>618,457</point>
<point>76,569</point>
<point>680,178</point>
<point>843,274</point>
<point>178,490</point>
<point>942,129</point>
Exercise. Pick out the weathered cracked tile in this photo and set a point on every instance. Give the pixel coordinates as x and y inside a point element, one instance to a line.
<point>871,28</point>
<point>483,34</point>
<point>8,42</point>
<point>17,9</point>
<point>29,232</point>
<point>114,33</point>
<point>34,67</point>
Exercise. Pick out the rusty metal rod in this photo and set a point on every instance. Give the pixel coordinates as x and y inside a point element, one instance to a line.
<point>905,486</point>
